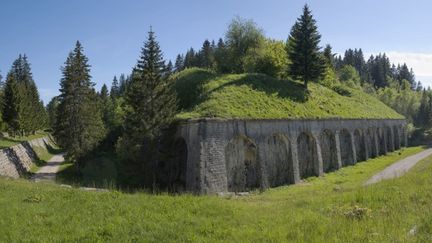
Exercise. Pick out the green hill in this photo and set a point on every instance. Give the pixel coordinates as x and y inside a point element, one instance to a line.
<point>204,94</point>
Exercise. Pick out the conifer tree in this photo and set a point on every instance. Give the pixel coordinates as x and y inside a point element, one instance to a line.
<point>303,50</point>
<point>124,83</point>
<point>107,108</point>
<point>22,109</point>
<point>206,55</point>
<point>150,106</point>
<point>179,63</point>
<point>115,89</point>
<point>79,127</point>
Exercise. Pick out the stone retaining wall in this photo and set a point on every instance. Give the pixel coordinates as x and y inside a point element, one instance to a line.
<point>17,160</point>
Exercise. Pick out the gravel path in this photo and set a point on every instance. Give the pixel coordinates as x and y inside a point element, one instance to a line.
<point>399,168</point>
<point>48,172</point>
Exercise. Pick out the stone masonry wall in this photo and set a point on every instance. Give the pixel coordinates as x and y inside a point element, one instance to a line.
<point>17,160</point>
<point>239,155</point>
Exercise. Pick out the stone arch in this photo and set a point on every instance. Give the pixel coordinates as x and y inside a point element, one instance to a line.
<point>243,172</point>
<point>397,137</point>
<point>359,145</point>
<point>370,143</point>
<point>307,155</point>
<point>278,164</point>
<point>346,148</point>
<point>381,142</point>
<point>179,169</point>
<point>389,139</point>
<point>328,151</point>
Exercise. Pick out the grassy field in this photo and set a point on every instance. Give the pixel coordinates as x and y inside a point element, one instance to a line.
<point>11,141</point>
<point>204,94</point>
<point>333,208</point>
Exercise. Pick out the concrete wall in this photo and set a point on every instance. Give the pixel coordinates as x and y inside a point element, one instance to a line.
<point>239,155</point>
<point>17,160</point>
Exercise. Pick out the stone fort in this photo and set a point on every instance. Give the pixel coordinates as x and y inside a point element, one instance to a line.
<point>217,156</point>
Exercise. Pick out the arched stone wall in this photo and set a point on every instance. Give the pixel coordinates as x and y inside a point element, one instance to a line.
<point>278,163</point>
<point>397,137</point>
<point>359,145</point>
<point>328,151</point>
<point>346,148</point>
<point>389,139</point>
<point>307,155</point>
<point>381,142</point>
<point>242,168</point>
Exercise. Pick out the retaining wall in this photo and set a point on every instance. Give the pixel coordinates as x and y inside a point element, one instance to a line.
<point>17,160</point>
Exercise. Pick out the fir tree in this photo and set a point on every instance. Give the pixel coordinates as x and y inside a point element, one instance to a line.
<point>107,108</point>
<point>206,55</point>
<point>150,106</point>
<point>124,83</point>
<point>303,50</point>
<point>79,127</point>
<point>23,110</point>
<point>115,89</point>
<point>179,63</point>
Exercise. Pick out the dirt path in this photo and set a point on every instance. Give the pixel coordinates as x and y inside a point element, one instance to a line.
<point>399,168</point>
<point>48,172</point>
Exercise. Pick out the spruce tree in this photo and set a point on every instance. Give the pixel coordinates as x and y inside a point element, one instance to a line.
<point>303,50</point>
<point>107,108</point>
<point>115,89</point>
<point>179,63</point>
<point>206,55</point>
<point>79,127</point>
<point>23,110</point>
<point>150,105</point>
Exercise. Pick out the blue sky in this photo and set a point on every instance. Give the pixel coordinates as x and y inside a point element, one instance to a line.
<point>113,32</point>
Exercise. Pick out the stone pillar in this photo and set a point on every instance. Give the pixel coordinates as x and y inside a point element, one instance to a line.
<point>295,165</point>
<point>319,166</point>
<point>405,137</point>
<point>353,148</point>
<point>338,149</point>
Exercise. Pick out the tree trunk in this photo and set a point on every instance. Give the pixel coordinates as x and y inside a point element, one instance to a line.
<point>305,84</point>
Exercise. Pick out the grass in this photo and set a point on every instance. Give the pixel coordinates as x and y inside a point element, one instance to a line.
<point>7,142</point>
<point>202,94</point>
<point>333,208</point>
<point>101,171</point>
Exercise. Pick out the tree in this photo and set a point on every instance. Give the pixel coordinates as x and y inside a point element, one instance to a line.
<point>242,37</point>
<point>107,108</point>
<point>115,89</point>
<point>79,127</point>
<point>51,109</point>
<point>23,110</point>
<point>329,56</point>
<point>221,57</point>
<point>150,105</point>
<point>206,55</point>
<point>179,63</point>
<point>303,50</point>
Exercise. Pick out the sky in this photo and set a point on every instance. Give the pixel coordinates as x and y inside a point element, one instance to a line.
<point>113,32</point>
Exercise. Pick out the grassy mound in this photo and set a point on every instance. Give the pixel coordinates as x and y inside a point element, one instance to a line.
<point>333,208</point>
<point>203,93</point>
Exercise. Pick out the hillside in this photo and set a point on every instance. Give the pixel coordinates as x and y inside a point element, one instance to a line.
<point>203,94</point>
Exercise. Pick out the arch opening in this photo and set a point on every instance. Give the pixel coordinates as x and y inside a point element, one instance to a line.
<point>307,155</point>
<point>279,161</point>
<point>360,146</point>
<point>242,165</point>
<point>397,138</point>
<point>381,142</point>
<point>370,143</point>
<point>389,139</point>
<point>328,151</point>
<point>346,148</point>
